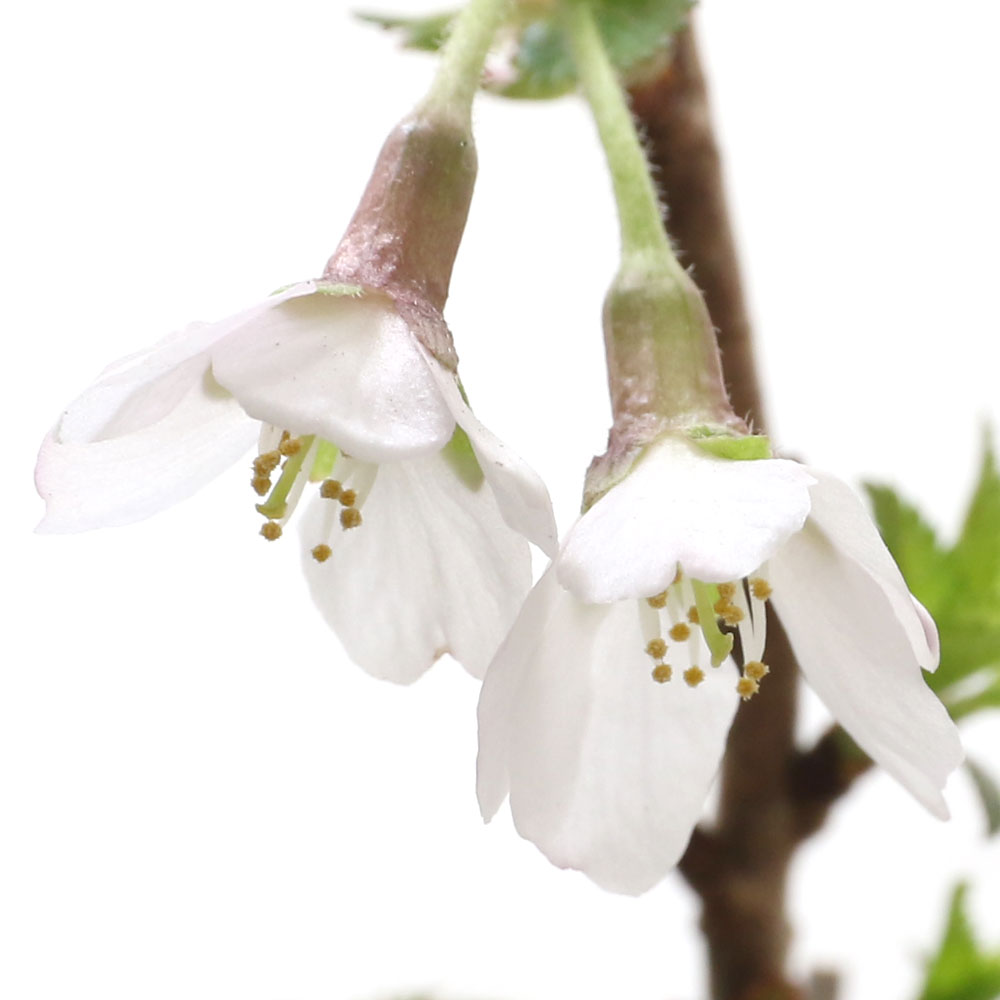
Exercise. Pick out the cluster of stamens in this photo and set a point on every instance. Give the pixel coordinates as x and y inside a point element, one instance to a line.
<point>292,454</point>
<point>708,615</point>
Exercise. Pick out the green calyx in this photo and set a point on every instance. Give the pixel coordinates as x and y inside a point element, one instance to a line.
<point>338,289</point>
<point>737,448</point>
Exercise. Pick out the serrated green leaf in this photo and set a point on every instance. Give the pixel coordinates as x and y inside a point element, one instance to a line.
<point>960,587</point>
<point>913,545</point>
<point>961,970</point>
<point>539,65</point>
<point>989,794</point>
<point>424,33</point>
<point>974,562</point>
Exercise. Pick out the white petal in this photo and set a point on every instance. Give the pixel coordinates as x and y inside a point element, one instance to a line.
<point>608,771</point>
<point>345,368</point>
<point>432,569</point>
<point>859,659</point>
<point>719,519</point>
<point>524,500</point>
<point>114,481</point>
<point>141,389</point>
<point>840,513</point>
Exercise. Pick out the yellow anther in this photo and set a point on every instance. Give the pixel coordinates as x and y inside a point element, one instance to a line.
<point>760,588</point>
<point>657,600</point>
<point>693,676</point>
<point>264,465</point>
<point>747,687</point>
<point>756,670</point>
<point>350,517</point>
<point>722,605</point>
<point>271,530</point>
<point>321,553</point>
<point>261,484</point>
<point>680,632</point>
<point>348,497</point>
<point>732,615</point>
<point>656,648</point>
<point>727,591</point>
<point>289,446</point>
<point>330,489</point>
<point>662,673</point>
<point>693,615</point>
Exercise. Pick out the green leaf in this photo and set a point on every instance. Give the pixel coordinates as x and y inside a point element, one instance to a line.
<point>974,562</point>
<point>424,33</point>
<point>913,545</point>
<point>989,794</point>
<point>960,587</point>
<point>961,970</point>
<point>539,65</point>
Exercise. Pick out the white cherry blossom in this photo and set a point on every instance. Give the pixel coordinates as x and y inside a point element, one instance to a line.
<point>417,503</point>
<point>605,712</point>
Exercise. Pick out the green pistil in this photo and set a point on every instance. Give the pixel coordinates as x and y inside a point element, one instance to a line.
<point>326,457</point>
<point>276,503</point>
<point>720,644</point>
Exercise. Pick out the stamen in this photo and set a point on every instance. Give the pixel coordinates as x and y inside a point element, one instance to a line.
<point>657,600</point>
<point>747,687</point>
<point>264,465</point>
<point>348,498</point>
<point>656,648</point>
<point>321,553</point>
<point>760,588</point>
<point>261,484</point>
<point>290,446</point>
<point>662,673</point>
<point>756,670</point>
<point>271,530</point>
<point>680,632</point>
<point>726,591</point>
<point>350,517</point>
<point>693,615</point>
<point>732,615</point>
<point>693,676</point>
<point>276,504</point>
<point>330,489</point>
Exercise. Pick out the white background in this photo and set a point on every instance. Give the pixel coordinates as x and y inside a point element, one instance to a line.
<point>200,797</point>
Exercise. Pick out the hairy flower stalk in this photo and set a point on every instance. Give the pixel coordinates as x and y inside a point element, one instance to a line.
<point>349,383</point>
<point>605,712</point>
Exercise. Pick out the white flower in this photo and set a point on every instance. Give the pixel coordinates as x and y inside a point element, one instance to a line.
<point>438,509</point>
<point>607,771</point>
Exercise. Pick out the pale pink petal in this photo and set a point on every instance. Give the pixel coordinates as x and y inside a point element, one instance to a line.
<point>719,519</point>
<point>346,368</point>
<point>607,770</point>
<point>523,498</point>
<point>432,569</point>
<point>841,515</point>
<point>859,658</point>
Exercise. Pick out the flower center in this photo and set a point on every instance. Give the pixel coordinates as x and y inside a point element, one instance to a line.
<point>303,460</point>
<point>704,617</point>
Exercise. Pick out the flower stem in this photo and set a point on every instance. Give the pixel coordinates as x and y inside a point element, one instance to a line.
<point>462,58</point>
<point>639,212</point>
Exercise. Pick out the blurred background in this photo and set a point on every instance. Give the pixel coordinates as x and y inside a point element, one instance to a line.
<point>201,797</point>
